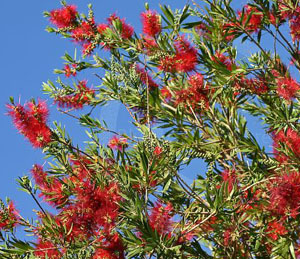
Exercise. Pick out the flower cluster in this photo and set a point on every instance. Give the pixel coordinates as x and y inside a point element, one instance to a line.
<point>195,95</point>
<point>86,31</point>
<point>31,121</point>
<point>184,60</point>
<point>70,71</point>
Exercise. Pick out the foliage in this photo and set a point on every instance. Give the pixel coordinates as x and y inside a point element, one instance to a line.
<point>184,74</point>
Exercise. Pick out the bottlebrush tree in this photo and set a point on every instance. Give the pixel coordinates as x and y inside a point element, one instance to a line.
<point>182,73</point>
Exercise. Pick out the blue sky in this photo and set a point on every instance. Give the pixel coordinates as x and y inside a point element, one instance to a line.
<point>28,58</point>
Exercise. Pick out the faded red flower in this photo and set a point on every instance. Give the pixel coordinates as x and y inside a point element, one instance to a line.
<point>117,143</point>
<point>151,23</point>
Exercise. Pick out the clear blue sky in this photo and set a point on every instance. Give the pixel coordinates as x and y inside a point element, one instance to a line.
<point>28,57</point>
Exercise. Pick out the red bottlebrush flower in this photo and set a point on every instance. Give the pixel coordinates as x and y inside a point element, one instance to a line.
<point>227,235</point>
<point>230,178</point>
<point>255,21</point>
<point>112,248</point>
<point>127,30</point>
<point>83,32</point>
<point>151,23</point>
<point>286,12</point>
<point>158,151</point>
<point>285,194</point>
<point>146,78</point>
<point>64,17</point>
<point>186,56</point>
<point>51,188</point>
<point>287,88</point>
<point>195,95</point>
<point>252,25</point>
<point>291,138</point>
<point>102,253</point>
<point>185,59</point>
<point>221,59</point>
<point>9,216</point>
<point>70,71</point>
<point>93,208</point>
<point>40,177</point>
<point>167,64</point>
<point>117,143</point>
<point>160,218</point>
<point>276,229</point>
<point>254,85</point>
<point>149,45</point>
<point>82,96</point>
<point>102,27</point>
<point>30,120</point>
<point>46,249</point>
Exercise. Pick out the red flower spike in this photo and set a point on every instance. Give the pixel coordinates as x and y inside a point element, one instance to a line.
<point>64,17</point>
<point>30,120</point>
<point>151,23</point>
<point>127,30</point>
<point>9,217</point>
<point>291,138</point>
<point>255,21</point>
<point>158,151</point>
<point>160,218</point>
<point>230,178</point>
<point>46,249</point>
<point>276,229</point>
<point>80,98</point>
<point>70,71</point>
<point>185,59</point>
<point>285,194</point>
<point>287,88</point>
<point>195,95</point>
